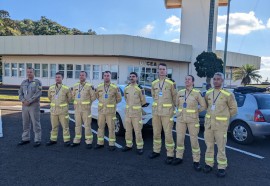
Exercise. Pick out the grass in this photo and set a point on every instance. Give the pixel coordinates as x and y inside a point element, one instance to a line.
<point>16,98</point>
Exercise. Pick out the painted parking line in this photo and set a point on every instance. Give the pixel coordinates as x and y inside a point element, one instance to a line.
<point>1,125</point>
<point>235,149</point>
<point>105,137</point>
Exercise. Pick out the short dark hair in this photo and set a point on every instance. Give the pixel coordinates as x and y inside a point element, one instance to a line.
<point>59,73</point>
<point>192,77</point>
<point>162,64</point>
<point>84,72</point>
<point>134,73</point>
<point>31,68</point>
<point>107,71</point>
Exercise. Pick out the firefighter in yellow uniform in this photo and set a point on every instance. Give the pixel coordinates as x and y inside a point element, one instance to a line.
<point>189,102</point>
<point>83,95</point>
<point>221,106</point>
<point>135,100</point>
<point>108,95</point>
<point>60,96</point>
<point>163,109</point>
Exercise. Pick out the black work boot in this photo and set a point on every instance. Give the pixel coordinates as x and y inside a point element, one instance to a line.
<point>207,169</point>
<point>125,149</point>
<point>50,143</point>
<point>67,144</point>
<point>221,173</point>
<point>37,144</point>
<point>169,160</point>
<point>23,142</point>
<point>111,148</point>
<point>177,161</point>
<point>99,146</point>
<point>139,151</point>
<point>153,155</point>
<point>197,166</point>
<point>88,146</point>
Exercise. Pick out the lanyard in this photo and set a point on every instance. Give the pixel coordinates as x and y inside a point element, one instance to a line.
<point>106,91</point>
<point>80,89</point>
<point>214,102</point>
<point>160,88</point>
<point>187,95</point>
<point>56,92</point>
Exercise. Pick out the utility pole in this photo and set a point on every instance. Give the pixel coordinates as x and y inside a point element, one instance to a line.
<point>211,26</point>
<point>226,38</point>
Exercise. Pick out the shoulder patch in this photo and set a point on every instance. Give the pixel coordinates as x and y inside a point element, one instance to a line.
<point>52,86</point>
<point>169,81</point>
<point>209,91</point>
<point>65,87</point>
<point>76,84</point>
<point>155,81</point>
<point>113,85</point>
<point>196,90</point>
<point>182,90</point>
<point>225,92</point>
<point>101,84</point>
<point>138,88</point>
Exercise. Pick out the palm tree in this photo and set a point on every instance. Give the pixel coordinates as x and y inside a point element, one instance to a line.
<point>246,73</point>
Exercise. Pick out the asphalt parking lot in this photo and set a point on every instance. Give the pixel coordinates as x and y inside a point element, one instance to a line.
<point>59,165</point>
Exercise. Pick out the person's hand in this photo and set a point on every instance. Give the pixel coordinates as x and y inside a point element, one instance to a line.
<point>26,103</point>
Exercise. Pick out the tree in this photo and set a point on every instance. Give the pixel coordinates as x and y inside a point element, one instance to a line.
<point>246,73</point>
<point>207,64</point>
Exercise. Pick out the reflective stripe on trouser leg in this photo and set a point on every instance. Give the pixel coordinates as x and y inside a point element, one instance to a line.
<point>221,140</point>
<point>210,144</point>
<point>34,111</point>
<point>101,127</point>
<point>137,125</point>
<point>181,129</point>
<point>193,132</point>
<point>157,128</point>
<point>64,120</point>
<point>78,127</point>
<point>26,124</point>
<point>167,123</point>
<point>128,134</point>
<point>55,124</point>
<point>87,120</point>
<point>110,120</point>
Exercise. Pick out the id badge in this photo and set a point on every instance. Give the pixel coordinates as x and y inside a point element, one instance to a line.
<point>213,107</point>
<point>106,96</point>
<point>56,96</point>
<point>160,93</point>
<point>185,105</point>
<point>79,96</point>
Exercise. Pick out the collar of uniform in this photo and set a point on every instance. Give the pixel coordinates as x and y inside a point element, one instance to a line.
<point>218,89</point>
<point>58,85</point>
<point>189,89</point>
<point>133,84</point>
<point>83,83</point>
<point>161,79</point>
<point>29,81</point>
<point>107,84</point>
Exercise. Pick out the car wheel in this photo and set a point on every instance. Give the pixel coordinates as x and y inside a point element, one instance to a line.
<point>119,128</point>
<point>241,133</point>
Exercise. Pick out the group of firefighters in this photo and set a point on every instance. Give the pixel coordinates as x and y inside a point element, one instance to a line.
<point>219,103</point>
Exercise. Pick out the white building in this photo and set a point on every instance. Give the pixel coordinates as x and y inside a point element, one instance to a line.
<point>120,54</point>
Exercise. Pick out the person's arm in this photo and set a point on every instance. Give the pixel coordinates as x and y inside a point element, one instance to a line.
<point>174,93</point>
<point>37,94</point>
<point>92,94</point>
<point>202,102</point>
<point>118,96</point>
<point>177,100</point>
<point>142,97</point>
<point>69,95</point>
<point>21,94</point>
<point>232,104</point>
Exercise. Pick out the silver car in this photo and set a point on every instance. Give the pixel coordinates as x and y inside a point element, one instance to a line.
<point>252,119</point>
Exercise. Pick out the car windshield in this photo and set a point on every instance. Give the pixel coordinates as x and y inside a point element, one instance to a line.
<point>263,101</point>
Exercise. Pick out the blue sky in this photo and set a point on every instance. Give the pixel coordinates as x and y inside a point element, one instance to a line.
<point>249,28</point>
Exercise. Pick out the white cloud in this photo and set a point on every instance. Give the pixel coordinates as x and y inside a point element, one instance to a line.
<point>268,23</point>
<point>240,23</point>
<point>265,68</point>
<point>174,23</point>
<point>176,40</point>
<point>219,39</point>
<point>103,29</point>
<point>147,30</point>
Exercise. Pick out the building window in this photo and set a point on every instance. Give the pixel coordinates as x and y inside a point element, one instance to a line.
<point>14,70</point>
<point>96,72</point>
<point>87,69</point>
<point>70,71</point>
<point>44,70</point>
<point>7,69</point>
<point>169,72</point>
<point>52,70</point>
<point>37,69</point>
<point>114,70</point>
<point>61,69</point>
<point>28,65</point>
<point>21,70</point>
<point>78,69</point>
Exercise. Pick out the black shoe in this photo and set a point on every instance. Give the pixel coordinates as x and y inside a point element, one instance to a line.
<point>207,169</point>
<point>37,144</point>
<point>88,146</point>
<point>23,143</point>
<point>221,173</point>
<point>67,144</point>
<point>139,151</point>
<point>125,149</point>
<point>75,144</point>
<point>197,166</point>
<point>169,160</point>
<point>99,146</point>
<point>49,143</point>
<point>153,155</point>
<point>111,148</point>
<point>177,161</point>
